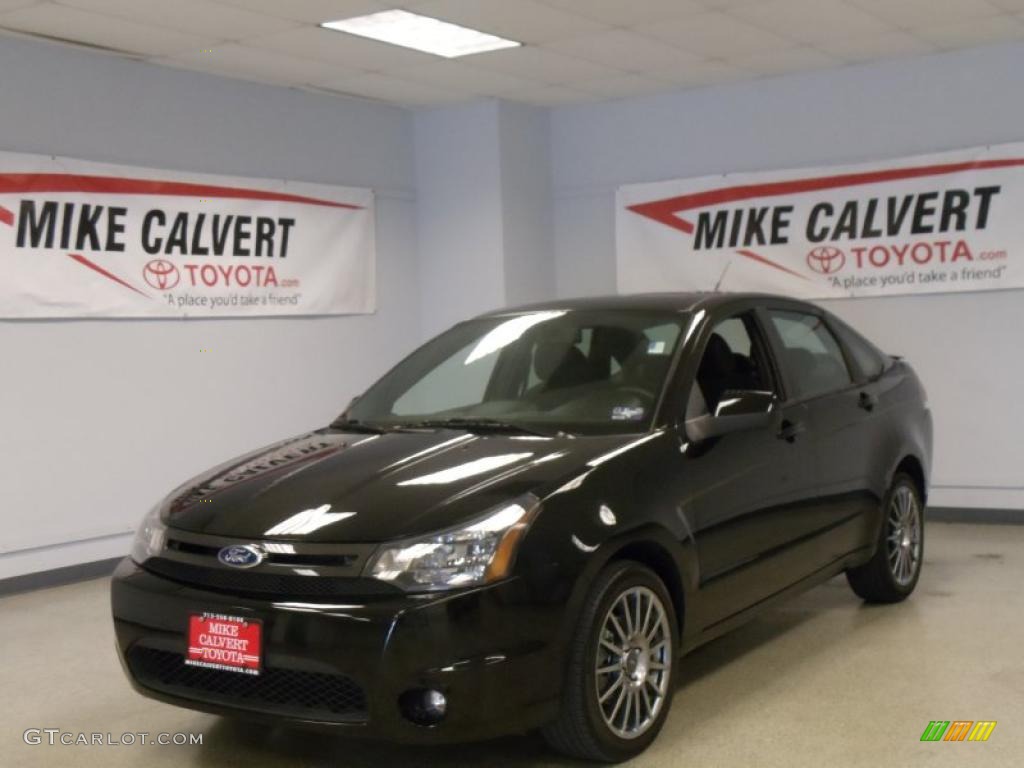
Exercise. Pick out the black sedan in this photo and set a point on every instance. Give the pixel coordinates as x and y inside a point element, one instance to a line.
<point>529,520</point>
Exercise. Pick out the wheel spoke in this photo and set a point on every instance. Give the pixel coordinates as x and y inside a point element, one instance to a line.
<point>611,689</point>
<point>625,710</point>
<point>653,682</point>
<point>647,619</point>
<point>618,703</point>
<point>618,629</point>
<point>611,668</point>
<point>627,617</point>
<point>612,647</point>
<point>653,635</point>
<point>648,704</point>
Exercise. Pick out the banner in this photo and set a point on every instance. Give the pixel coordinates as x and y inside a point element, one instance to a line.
<point>929,224</point>
<point>80,239</point>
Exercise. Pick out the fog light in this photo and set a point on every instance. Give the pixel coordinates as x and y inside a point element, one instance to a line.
<point>423,706</point>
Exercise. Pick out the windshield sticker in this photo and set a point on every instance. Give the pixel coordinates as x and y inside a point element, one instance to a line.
<point>656,348</point>
<point>627,412</point>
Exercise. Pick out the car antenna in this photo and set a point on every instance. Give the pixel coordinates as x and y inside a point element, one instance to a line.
<point>721,277</point>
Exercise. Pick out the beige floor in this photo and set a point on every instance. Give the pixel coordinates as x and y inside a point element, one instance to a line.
<point>822,681</point>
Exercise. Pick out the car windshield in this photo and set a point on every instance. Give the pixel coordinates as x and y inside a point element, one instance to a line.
<point>550,371</point>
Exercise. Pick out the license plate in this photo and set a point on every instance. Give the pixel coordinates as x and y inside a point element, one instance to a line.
<point>230,643</point>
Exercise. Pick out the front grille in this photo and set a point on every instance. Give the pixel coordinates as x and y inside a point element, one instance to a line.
<point>280,558</point>
<point>261,584</point>
<point>312,695</point>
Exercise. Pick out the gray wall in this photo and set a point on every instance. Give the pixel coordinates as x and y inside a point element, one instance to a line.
<point>98,419</point>
<point>966,346</point>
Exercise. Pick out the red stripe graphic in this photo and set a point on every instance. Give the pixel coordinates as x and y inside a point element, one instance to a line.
<point>82,260</point>
<point>6,216</point>
<point>664,211</point>
<point>17,183</point>
<point>770,263</point>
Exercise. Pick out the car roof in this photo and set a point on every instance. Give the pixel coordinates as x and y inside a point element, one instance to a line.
<point>662,302</point>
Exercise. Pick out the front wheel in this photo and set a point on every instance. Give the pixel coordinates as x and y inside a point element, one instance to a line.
<point>621,667</point>
<point>891,575</point>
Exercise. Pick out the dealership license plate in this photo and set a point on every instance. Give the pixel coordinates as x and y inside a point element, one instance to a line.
<point>230,643</point>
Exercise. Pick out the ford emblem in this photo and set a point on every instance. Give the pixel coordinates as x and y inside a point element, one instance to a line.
<point>241,555</point>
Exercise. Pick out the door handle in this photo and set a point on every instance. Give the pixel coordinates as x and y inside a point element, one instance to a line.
<point>867,401</point>
<point>789,430</point>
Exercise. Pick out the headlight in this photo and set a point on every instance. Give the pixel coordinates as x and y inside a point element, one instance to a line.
<point>473,554</point>
<point>150,536</point>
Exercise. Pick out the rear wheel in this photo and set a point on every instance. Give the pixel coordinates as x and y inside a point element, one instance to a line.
<point>621,668</point>
<point>891,575</point>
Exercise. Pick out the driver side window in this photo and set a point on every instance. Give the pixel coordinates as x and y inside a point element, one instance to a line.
<point>734,358</point>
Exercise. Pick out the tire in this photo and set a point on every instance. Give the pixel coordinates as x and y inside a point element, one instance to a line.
<point>583,728</point>
<point>889,576</point>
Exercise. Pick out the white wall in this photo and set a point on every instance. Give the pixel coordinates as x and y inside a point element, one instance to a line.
<point>98,419</point>
<point>478,206</point>
<point>459,213</point>
<point>526,198</point>
<point>483,211</point>
<point>965,346</point>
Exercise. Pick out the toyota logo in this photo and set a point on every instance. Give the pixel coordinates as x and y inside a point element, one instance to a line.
<point>241,555</point>
<point>161,274</point>
<point>826,259</point>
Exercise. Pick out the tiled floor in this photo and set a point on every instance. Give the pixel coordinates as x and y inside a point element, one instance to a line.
<point>821,681</point>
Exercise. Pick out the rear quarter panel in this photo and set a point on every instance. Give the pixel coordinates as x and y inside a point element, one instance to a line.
<point>901,428</point>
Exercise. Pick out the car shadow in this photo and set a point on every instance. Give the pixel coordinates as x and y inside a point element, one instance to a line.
<point>232,742</point>
<point>712,669</point>
<point>237,742</point>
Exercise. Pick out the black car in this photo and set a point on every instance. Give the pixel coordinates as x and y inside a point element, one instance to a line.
<point>529,520</point>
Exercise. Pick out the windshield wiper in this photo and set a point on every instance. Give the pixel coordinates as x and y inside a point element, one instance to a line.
<point>483,425</point>
<point>354,425</point>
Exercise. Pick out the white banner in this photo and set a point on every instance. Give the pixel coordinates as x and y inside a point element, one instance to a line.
<point>80,239</point>
<point>928,224</point>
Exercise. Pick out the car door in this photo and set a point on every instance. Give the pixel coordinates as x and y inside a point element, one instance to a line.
<point>745,495</point>
<point>818,372</point>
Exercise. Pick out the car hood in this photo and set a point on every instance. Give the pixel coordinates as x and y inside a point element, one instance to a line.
<point>333,486</point>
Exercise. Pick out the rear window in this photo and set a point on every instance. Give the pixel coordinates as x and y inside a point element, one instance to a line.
<point>865,356</point>
<point>814,360</point>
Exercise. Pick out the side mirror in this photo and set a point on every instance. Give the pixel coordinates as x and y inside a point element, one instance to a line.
<point>737,411</point>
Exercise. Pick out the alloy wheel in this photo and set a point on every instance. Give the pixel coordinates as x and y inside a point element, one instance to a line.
<point>634,662</point>
<point>904,538</point>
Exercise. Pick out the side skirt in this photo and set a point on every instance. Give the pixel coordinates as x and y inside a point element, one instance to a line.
<point>814,579</point>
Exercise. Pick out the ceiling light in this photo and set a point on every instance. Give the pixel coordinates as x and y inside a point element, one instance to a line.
<point>422,33</point>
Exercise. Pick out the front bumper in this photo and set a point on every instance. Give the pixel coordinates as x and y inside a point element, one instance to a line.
<point>344,664</point>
